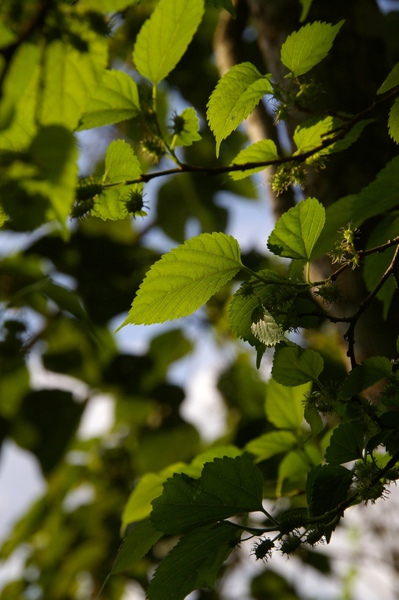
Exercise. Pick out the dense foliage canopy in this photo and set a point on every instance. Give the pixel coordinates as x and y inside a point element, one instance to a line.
<point>122,123</point>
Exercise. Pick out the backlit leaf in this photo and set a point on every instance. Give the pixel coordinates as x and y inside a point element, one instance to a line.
<point>293,366</point>
<point>391,81</point>
<point>284,405</point>
<point>270,444</point>
<point>121,165</point>
<point>227,487</point>
<point>234,98</point>
<point>194,562</point>
<point>297,231</point>
<point>306,47</point>
<point>115,99</point>
<point>188,130</point>
<point>261,151</point>
<point>185,278</point>
<point>346,443</point>
<point>165,36</point>
<point>327,486</point>
<point>135,546</point>
<point>393,121</point>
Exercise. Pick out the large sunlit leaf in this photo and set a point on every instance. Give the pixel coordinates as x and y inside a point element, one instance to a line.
<point>234,98</point>
<point>185,278</point>
<point>305,48</point>
<point>297,231</point>
<point>115,99</point>
<point>69,75</point>
<point>165,36</point>
<point>227,487</point>
<point>194,562</point>
<point>294,366</point>
<point>313,132</point>
<point>261,151</point>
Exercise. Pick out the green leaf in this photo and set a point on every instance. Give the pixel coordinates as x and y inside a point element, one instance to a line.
<point>297,231</point>
<point>150,486</point>
<point>227,487</point>
<point>186,127</point>
<point>306,4</point>
<point>376,264</point>
<point>313,418</point>
<point>245,303</point>
<point>313,132</point>
<point>371,371</point>
<point>194,562</point>
<point>266,330</point>
<point>393,121</point>
<point>54,153</point>
<point>327,487</point>
<point>284,405</point>
<point>306,47</point>
<point>391,81</point>
<point>68,77</point>
<point>270,444</point>
<point>165,36</point>
<point>121,165</point>
<point>293,366</point>
<point>185,278</point>
<point>227,4</point>
<point>234,98</point>
<point>115,100</point>
<point>135,545</point>
<point>346,443</point>
<point>262,151</point>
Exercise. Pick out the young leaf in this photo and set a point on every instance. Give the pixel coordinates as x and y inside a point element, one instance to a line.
<point>261,151</point>
<point>313,418</point>
<point>266,330</point>
<point>346,443</point>
<point>234,98</point>
<point>270,444</point>
<point>194,562</point>
<point>246,301</point>
<point>393,121</point>
<point>121,165</point>
<point>227,487</point>
<point>306,47</point>
<point>391,81</point>
<point>306,4</point>
<point>185,128</point>
<point>284,405</point>
<point>115,100</point>
<point>293,366</point>
<point>327,486</point>
<point>297,231</point>
<point>135,545</point>
<point>371,371</point>
<point>185,278</point>
<point>165,36</point>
